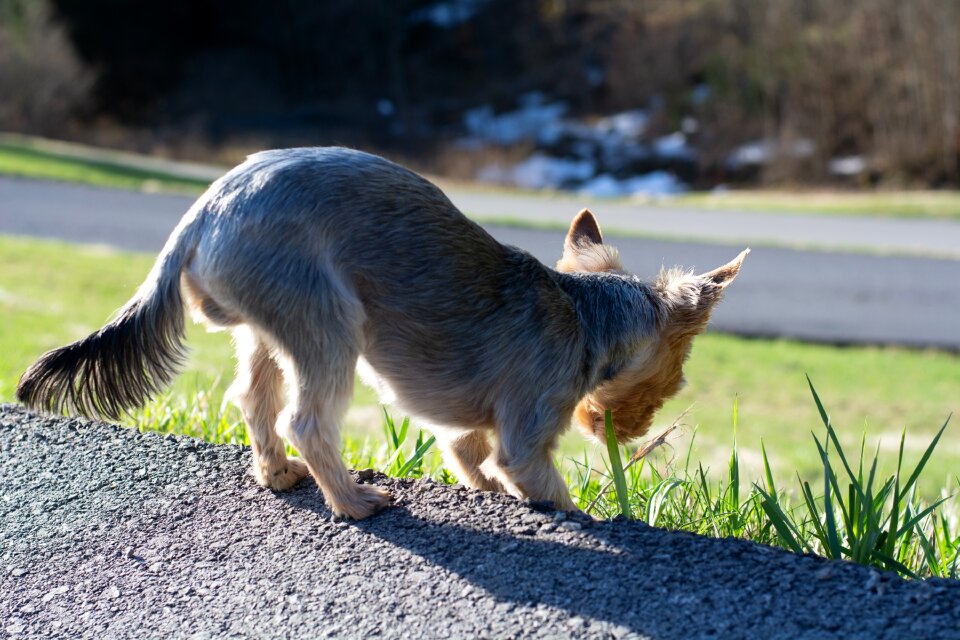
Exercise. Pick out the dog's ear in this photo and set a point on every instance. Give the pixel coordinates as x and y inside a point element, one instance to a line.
<point>583,248</point>
<point>714,282</point>
<point>583,230</point>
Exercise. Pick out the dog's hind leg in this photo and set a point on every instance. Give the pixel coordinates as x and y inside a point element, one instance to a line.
<point>466,453</point>
<point>258,391</point>
<point>311,424</point>
<point>319,342</point>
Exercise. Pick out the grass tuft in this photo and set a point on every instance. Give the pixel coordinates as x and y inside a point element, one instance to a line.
<point>860,516</point>
<point>397,464</point>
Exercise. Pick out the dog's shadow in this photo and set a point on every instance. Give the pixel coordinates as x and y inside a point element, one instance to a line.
<point>648,581</point>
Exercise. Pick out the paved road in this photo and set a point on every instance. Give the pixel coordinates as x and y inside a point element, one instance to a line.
<point>917,237</point>
<point>109,533</point>
<point>812,295</point>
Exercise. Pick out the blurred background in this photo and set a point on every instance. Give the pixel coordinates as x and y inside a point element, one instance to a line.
<point>579,95</point>
<point>823,134</point>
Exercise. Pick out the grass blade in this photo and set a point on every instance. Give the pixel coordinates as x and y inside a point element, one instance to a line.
<point>895,565</point>
<point>658,497</point>
<point>389,430</point>
<point>897,498</point>
<point>923,459</point>
<point>833,536</point>
<point>616,466</point>
<point>734,472</point>
<point>911,522</point>
<point>767,473</point>
<point>638,456</point>
<point>416,458</point>
<point>785,528</point>
<point>816,398</point>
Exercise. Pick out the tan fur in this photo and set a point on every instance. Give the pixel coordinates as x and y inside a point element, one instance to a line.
<point>202,307</point>
<point>635,396</point>
<point>467,456</point>
<point>323,259</point>
<point>258,391</point>
<point>639,392</point>
<point>583,249</point>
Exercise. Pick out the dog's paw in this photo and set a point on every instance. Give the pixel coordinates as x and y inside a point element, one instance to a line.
<point>283,476</point>
<point>363,502</point>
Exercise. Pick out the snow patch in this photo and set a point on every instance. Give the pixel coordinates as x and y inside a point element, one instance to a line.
<point>655,184</point>
<point>847,166</point>
<point>541,171</point>
<point>751,154</point>
<point>701,94</point>
<point>525,123</point>
<point>758,153</point>
<point>603,186</point>
<point>674,146</point>
<point>628,124</point>
<point>590,157</point>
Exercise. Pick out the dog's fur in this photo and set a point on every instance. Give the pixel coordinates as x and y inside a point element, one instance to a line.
<point>316,258</point>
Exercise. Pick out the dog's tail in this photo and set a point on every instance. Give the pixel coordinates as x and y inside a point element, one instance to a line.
<point>137,354</point>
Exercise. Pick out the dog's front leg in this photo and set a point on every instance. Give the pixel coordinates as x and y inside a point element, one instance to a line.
<point>465,453</point>
<point>524,457</point>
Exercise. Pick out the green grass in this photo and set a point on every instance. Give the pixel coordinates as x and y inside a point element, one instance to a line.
<point>877,391</point>
<point>18,160</point>
<point>859,515</point>
<point>754,467</point>
<point>856,513</point>
<point>894,204</point>
<point>52,293</point>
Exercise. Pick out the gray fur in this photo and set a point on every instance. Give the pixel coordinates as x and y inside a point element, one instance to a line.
<point>319,256</point>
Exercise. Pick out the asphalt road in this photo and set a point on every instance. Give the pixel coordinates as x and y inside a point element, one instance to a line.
<point>109,533</point>
<point>824,296</point>
<point>918,237</point>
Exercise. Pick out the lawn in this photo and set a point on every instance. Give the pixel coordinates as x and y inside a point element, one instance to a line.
<point>52,293</point>
<point>28,162</point>
<point>896,204</point>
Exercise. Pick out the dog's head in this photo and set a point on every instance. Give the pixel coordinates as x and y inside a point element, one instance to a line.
<point>654,373</point>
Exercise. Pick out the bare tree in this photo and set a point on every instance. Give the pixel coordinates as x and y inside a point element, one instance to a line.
<point>42,81</point>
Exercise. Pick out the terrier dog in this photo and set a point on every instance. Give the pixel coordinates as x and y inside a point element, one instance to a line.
<point>322,258</point>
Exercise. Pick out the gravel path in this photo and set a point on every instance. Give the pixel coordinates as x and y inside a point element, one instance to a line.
<point>109,533</point>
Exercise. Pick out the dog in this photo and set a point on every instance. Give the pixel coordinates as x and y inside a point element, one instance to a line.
<point>322,259</point>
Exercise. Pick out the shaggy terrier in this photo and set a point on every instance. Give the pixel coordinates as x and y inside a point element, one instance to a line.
<point>320,259</point>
